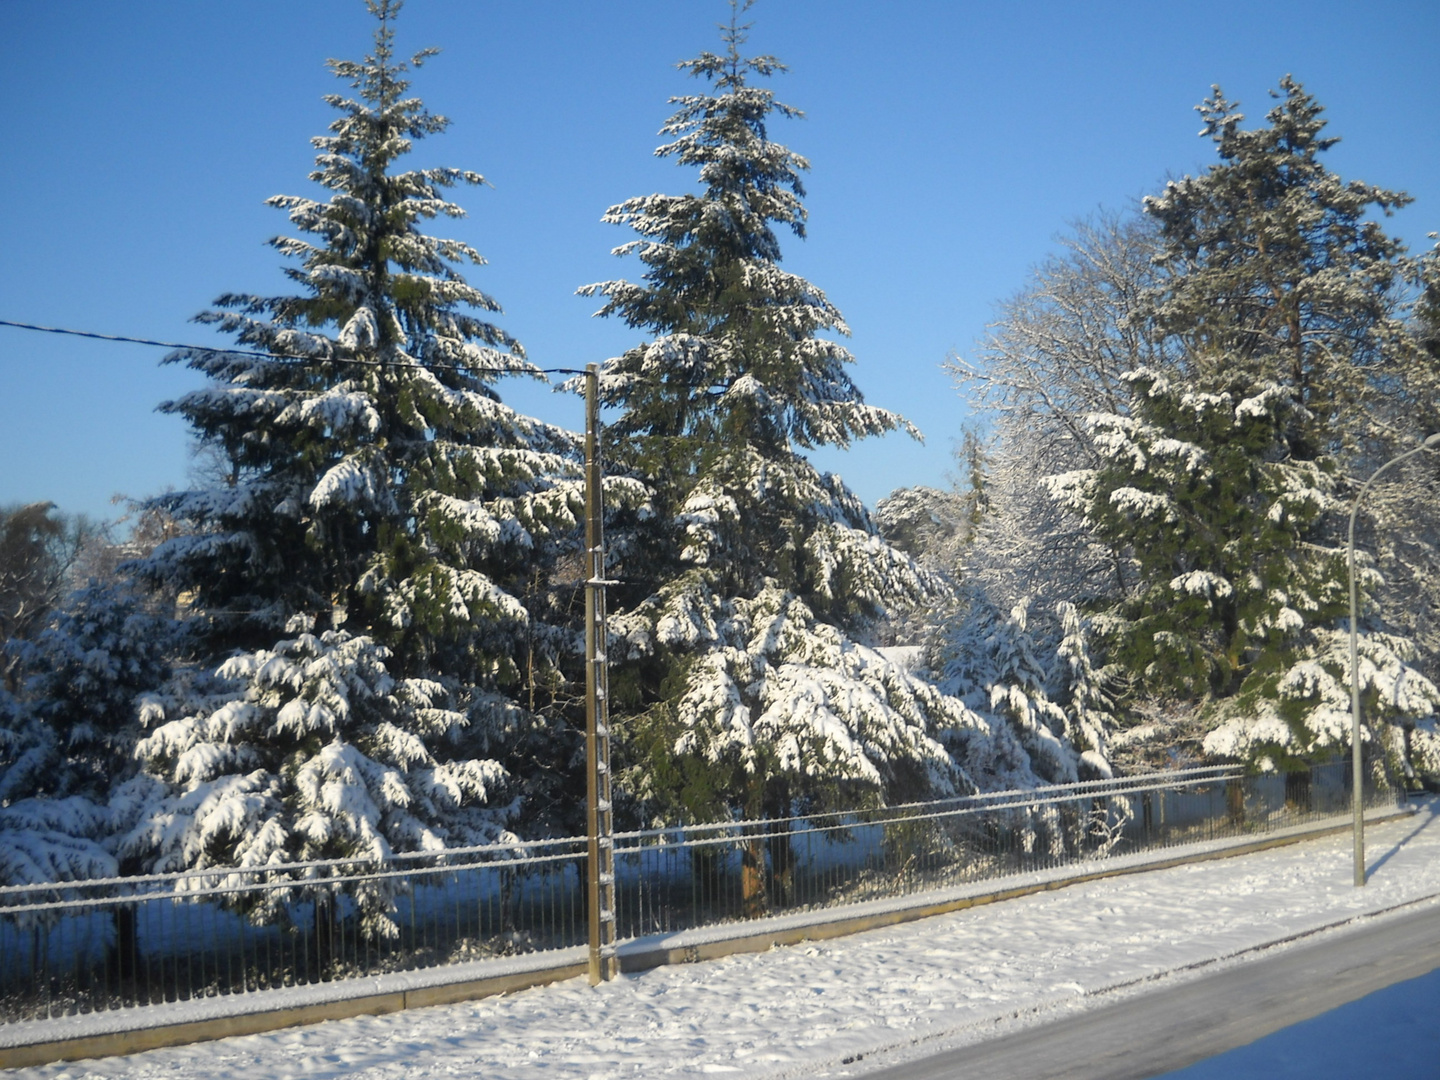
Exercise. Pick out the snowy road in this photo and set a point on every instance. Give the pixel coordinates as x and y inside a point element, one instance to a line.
<point>1178,1025</point>
<point>877,998</point>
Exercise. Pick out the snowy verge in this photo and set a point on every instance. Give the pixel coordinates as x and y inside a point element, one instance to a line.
<point>558,963</point>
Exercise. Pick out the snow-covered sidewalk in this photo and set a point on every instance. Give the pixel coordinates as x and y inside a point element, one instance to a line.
<point>938,982</point>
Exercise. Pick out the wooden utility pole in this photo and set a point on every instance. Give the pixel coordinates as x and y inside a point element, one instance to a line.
<point>599,819</point>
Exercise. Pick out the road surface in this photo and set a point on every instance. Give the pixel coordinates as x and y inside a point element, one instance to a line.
<point>1159,1031</point>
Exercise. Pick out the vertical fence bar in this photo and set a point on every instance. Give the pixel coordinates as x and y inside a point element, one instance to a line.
<point>598,817</point>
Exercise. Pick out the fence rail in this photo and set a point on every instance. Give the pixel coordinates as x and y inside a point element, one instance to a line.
<point>89,946</point>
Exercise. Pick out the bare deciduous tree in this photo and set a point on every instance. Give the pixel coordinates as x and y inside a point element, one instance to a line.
<point>41,551</point>
<point>1054,355</point>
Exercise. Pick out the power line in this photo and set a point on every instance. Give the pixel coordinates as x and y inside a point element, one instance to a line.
<point>256,354</point>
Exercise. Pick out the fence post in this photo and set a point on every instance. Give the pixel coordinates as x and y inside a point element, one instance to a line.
<point>599,820</point>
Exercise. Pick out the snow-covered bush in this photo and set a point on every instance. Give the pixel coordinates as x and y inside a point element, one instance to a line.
<point>313,750</point>
<point>68,732</point>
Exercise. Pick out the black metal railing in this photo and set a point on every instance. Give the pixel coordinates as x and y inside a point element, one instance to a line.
<point>89,946</point>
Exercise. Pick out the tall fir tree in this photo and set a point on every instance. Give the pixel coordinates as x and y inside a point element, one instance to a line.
<point>360,592</point>
<point>744,678</point>
<point>1226,483</point>
<point>1275,272</point>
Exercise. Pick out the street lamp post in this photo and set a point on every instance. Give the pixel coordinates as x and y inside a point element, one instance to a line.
<point>1357,773</point>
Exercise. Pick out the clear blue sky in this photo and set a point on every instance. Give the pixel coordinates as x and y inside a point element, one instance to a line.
<point>950,143</point>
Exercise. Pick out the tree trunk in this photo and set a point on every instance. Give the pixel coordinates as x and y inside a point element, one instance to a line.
<point>1297,791</point>
<point>124,949</point>
<point>122,957</point>
<point>1235,802</point>
<point>322,956</point>
<point>753,900</point>
<point>781,851</point>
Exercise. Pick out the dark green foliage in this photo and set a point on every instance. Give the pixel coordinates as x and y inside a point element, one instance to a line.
<point>1276,274</point>
<point>1219,521</point>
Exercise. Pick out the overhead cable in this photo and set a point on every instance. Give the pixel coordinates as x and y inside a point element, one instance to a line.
<point>469,369</point>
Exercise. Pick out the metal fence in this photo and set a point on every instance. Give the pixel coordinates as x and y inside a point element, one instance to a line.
<point>89,946</point>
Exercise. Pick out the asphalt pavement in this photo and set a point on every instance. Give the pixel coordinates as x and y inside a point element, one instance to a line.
<point>1156,1032</point>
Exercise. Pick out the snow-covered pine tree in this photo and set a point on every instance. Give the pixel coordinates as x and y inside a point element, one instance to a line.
<point>1085,691</point>
<point>1276,284</point>
<point>1275,273</point>
<point>362,586</point>
<point>1219,525</point>
<point>1238,595</point>
<point>741,675</point>
<point>74,671</point>
<point>101,652</point>
<point>43,837</point>
<point>1260,272</point>
<point>1000,667</point>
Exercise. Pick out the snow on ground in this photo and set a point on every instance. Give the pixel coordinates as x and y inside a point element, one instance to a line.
<point>910,989</point>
